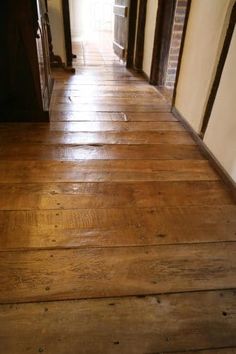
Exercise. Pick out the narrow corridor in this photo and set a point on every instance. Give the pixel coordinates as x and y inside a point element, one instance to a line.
<point>117,233</point>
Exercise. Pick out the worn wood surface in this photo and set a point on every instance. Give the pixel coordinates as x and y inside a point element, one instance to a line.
<point>46,196</point>
<point>210,351</point>
<point>91,99</point>
<point>105,171</point>
<point>116,271</point>
<point>132,107</point>
<point>152,324</point>
<point>114,227</point>
<point>102,126</point>
<point>66,84</point>
<point>112,200</point>
<point>43,136</point>
<point>107,91</point>
<point>33,196</point>
<point>100,152</point>
<point>112,116</point>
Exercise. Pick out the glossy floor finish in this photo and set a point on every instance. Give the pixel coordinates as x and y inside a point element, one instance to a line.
<point>117,236</point>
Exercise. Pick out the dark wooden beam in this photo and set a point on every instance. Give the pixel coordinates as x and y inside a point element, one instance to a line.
<point>131,34</point>
<point>67,32</point>
<point>138,60</point>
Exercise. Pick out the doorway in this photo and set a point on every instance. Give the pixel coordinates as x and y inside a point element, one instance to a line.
<point>103,31</point>
<point>92,31</point>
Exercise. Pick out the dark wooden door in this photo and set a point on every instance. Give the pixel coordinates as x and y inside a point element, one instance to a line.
<point>121,27</point>
<point>43,53</point>
<point>23,75</point>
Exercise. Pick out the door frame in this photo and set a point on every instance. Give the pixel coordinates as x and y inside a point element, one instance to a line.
<point>140,36</point>
<point>131,33</point>
<point>67,32</point>
<point>162,40</point>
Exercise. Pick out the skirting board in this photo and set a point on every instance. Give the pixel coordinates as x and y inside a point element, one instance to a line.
<point>145,76</point>
<point>207,153</point>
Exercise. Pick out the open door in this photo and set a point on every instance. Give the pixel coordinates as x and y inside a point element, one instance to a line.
<point>121,28</point>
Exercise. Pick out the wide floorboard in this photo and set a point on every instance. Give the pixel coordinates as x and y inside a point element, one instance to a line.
<point>129,325</point>
<point>117,235</point>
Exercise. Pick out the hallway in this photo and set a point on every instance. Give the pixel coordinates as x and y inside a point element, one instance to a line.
<point>117,236</point>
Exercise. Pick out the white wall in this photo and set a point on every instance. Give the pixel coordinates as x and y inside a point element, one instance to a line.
<point>220,136</point>
<point>149,35</point>
<point>78,14</point>
<point>57,28</point>
<point>208,22</point>
<point>204,39</point>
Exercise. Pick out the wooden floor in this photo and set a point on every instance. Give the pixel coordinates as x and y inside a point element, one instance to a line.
<point>117,236</point>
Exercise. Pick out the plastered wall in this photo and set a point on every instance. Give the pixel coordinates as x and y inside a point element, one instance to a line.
<point>78,17</point>
<point>206,30</point>
<point>203,43</point>
<point>220,136</point>
<point>57,27</point>
<point>149,35</point>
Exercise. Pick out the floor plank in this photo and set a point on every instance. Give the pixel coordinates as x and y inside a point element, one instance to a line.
<point>101,126</point>
<point>44,136</point>
<point>106,272</point>
<point>152,324</point>
<point>112,116</point>
<point>118,92</point>
<point>111,100</point>
<point>133,107</point>
<point>105,171</point>
<point>100,152</point>
<point>116,227</point>
<point>64,84</point>
<point>33,196</point>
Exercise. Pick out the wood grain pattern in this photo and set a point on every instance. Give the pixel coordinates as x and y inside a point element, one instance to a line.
<point>44,136</point>
<point>112,116</point>
<point>93,99</point>
<point>133,107</point>
<point>152,324</point>
<point>107,272</point>
<point>33,196</point>
<point>107,91</point>
<point>102,126</point>
<point>210,351</point>
<point>115,227</point>
<point>106,171</point>
<point>64,84</point>
<point>100,152</point>
<point>94,78</point>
